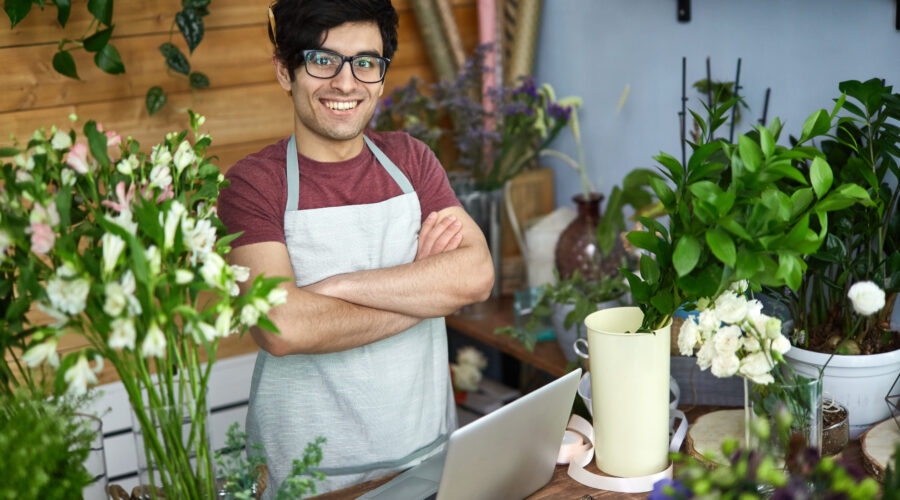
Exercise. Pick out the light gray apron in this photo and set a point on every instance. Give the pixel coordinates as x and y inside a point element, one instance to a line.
<point>382,407</point>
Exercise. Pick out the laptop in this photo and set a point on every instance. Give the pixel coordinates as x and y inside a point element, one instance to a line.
<point>508,453</point>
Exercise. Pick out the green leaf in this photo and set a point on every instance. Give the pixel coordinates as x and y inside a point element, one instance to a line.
<point>97,142</point>
<point>783,168</point>
<point>821,177</point>
<point>790,269</point>
<point>109,60</point>
<point>639,289</point>
<point>102,10</point>
<point>199,80</point>
<point>722,246</point>
<point>748,265</point>
<point>175,59</point>
<point>724,202</point>
<point>838,104</point>
<point>16,10</point>
<point>663,302</point>
<point>817,124</point>
<point>676,171</point>
<point>649,269</point>
<point>64,64</point>
<point>63,7</point>
<point>750,153</point>
<point>98,40</point>
<point>800,200</point>
<point>706,191</point>
<point>191,26</point>
<point>766,141</point>
<point>5,152</point>
<point>156,98</point>
<point>643,239</point>
<point>686,255</point>
<point>663,191</point>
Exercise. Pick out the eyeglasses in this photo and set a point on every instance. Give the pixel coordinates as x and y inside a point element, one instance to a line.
<point>327,64</point>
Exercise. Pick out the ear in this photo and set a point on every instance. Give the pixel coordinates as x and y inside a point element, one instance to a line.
<point>281,73</point>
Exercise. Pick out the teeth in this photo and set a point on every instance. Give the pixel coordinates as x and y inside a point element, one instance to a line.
<point>340,105</point>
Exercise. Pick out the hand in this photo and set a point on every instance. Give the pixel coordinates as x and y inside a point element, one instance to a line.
<point>438,236</point>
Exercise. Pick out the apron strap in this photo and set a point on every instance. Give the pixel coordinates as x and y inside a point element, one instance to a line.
<point>385,464</point>
<point>293,172</point>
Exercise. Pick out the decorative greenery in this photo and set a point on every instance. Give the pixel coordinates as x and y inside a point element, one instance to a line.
<point>495,137</point>
<point>153,302</point>
<point>189,22</point>
<point>42,448</point>
<point>240,475</point>
<point>756,475</point>
<point>863,241</point>
<point>753,199</point>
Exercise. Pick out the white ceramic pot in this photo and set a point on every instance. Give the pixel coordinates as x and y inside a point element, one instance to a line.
<point>630,392</point>
<point>859,382</point>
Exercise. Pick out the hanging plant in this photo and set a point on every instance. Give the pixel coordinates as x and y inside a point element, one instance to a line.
<point>97,36</point>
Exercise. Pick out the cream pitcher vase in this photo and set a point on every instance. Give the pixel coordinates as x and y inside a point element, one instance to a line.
<point>630,392</point>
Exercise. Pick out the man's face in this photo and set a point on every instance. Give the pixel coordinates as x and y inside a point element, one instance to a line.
<point>338,108</point>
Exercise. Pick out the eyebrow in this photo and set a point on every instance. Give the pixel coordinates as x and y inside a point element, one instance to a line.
<point>360,53</point>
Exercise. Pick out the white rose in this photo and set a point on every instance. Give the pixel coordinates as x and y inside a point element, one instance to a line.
<point>466,377</point>
<point>867,298</point>
<point>60,141</point>
<point>725,365</point>
<point>708,323</point>
<point>154,343</point>
<point>781,344</point>
<point>727,340</point>
<point>705,355</point>
<point>470,356</point>
<point>731,308</point>
<point>688,336</point>
<point>123,334</point>
<point>756,367</point>
<point>773,328</point>
<point>45,351</point>
<point>79,376</point>
<point>751,343</point>
<point>739,286</point>
<point>115,299</point>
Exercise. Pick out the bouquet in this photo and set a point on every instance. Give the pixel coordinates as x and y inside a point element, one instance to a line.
<point>123,248</point>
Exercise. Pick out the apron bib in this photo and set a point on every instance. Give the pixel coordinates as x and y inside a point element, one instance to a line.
<point>382,407</point>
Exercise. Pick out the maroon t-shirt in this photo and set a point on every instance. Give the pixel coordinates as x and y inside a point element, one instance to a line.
<point>254,201</point>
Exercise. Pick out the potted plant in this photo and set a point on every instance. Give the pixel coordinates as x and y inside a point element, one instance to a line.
<point>123,247</point>
<point>843,306</point>
<point>722,204</point>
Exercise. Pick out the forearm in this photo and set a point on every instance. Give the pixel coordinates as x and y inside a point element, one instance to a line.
<point>311,323</point>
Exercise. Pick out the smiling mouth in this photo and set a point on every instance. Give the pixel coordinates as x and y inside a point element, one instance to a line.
<point>340,105</point>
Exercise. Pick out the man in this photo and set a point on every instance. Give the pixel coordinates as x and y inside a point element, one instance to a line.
<point>362,355</point>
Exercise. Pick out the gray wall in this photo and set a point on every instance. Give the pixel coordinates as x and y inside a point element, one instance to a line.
<point>799,48</point>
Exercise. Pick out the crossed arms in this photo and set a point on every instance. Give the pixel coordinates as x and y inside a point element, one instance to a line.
<point>452,268</point>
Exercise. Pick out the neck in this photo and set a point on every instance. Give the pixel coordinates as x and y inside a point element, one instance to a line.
<point>321,149</point>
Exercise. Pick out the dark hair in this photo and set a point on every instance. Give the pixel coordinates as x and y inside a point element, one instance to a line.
<point>303,25</point>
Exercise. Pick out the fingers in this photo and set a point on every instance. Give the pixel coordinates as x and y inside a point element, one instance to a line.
<point>438,236</point>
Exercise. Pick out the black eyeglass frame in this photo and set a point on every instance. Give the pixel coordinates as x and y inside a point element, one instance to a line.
<point>344,59</point>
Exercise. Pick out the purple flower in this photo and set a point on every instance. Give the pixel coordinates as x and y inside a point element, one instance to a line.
<point>669,489</point>
<point>387,101</point>
<point>528,88</point>
<point>559,112</point>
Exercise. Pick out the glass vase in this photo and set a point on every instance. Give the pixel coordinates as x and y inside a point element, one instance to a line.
<point>794,408</point>
<point>96,459</point>
<point>577,248</point>
<point>173,450</point>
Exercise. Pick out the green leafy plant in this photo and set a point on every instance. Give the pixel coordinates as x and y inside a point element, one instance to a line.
<point>42,447</point>
<point>863,241</point>
<point>753,199</point>
<point>96,40</point>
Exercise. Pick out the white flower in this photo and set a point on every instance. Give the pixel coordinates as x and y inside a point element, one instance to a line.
<point>153,257</point>
<point>129,287</point>
<point>115,299</point>
<point>470,356</point>
<point>127,166</point>
<point>241,273</point>
<point>45,351</point>
<point>184,156</point>
<point>249,315</point>
<point>59,316</point>
<point>750,343</point>
<point>212,271</point>
<point>754,308</point>
<point>725,365</point>
<point>727,340</point>
<point>756,367</point>
<point>781,344</point>
<point>160,176</point>
<point>124,220</point>
<point>173,217</point>
<point>262,305</point>
<point>739,286</point>
<point>773,327</point>
<point>200,331</point>
<point>466,377</point>
<point>730,308</point>
<point>67,176</point>
<point>160,155</point>
<point>867,298</point>
<point>277,296</point>
<point>223,322</point>
<point>708,322</point>
<point>68,295</point>
<point>79,376</point>
<point>688,336</point>
<point>154,343</point>
<point>112,247</point>
<point>705,355</point>
<point>5,241</point>
<point>183,276</point>
<point>23,177</point>
<point>123,334</point>
<point>199,236</point>
<point>60,141</point>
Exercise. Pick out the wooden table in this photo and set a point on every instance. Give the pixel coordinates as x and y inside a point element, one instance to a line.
<point>547,355</point>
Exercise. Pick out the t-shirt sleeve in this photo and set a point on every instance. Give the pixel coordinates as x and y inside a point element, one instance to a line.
<point>253,202</point>
<point>432,185</point>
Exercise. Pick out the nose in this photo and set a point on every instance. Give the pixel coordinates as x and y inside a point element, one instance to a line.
<point>344,80</point>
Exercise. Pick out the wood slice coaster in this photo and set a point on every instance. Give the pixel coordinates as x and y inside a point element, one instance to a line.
<point>706,435</point>
<point>877,445</point>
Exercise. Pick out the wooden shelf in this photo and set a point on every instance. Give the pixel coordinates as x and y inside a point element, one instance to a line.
<point>547,355</point>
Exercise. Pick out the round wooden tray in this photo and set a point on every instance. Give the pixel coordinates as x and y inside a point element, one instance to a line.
<point>878,444</point>
<point>706,435</point>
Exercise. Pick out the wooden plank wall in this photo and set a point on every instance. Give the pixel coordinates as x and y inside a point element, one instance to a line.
<point>244,106</point>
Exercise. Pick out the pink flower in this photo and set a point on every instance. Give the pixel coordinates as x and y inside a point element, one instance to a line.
<point>42,238</point>
<point>77,158</point>
<point>48,215</point>
<point>112,139</point>
<point>124,199</point>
